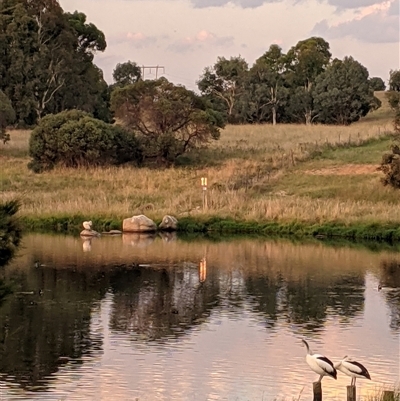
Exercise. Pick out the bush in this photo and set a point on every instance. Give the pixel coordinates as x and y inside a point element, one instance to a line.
<point>74,138</point>
<point>390,166</point>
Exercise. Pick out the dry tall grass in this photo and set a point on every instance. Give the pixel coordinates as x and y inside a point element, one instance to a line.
<point>243,169</point>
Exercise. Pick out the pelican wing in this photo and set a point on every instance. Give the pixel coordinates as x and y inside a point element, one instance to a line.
<point>356,368</point>
<point>326,365</point>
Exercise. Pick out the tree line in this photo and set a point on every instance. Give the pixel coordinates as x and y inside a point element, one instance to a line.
<point>47,68</point>
<point>304,85</point>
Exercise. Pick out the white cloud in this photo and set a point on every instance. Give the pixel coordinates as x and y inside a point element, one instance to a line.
<point>199,41</point>
<point>374,24</point>
<point>135,39</point>
<point>240,3</point>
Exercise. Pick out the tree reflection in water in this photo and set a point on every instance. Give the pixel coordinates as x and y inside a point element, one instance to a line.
<point>152,304</point>
<point>162,293</point>
<point>390,281</point>
<point>307,301</point>
<point>41,330</point>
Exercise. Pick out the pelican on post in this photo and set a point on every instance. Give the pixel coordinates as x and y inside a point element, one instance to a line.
<point>353,369</point>
<point>320,364</point>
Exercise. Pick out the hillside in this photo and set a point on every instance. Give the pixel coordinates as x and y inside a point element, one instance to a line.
<point>287,173</point>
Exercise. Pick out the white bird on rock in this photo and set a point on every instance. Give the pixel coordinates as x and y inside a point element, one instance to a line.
<point>87,225</point>
<point>320,364</point>
<point>353,369</point>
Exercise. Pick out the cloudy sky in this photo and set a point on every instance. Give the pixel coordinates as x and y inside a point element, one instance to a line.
<point>185,36</point>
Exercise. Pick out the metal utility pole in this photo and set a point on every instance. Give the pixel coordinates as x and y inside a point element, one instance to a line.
<point>150,67</point>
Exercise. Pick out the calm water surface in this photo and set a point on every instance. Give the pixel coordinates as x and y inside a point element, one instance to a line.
<point>126,318</point>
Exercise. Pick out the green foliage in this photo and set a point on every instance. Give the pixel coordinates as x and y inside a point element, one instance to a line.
<point>224,81</point>
<point>126,73</point>
<point>73,138</point>
<point>7,116</point>
<point>170,120</point>
<point>390,166</point>
<point>283,87</point>
<point>393,97</point>
<point>47,60</point>
<point>306,60</point>
<point>264,90</point>
<point>304,63</point>
<point>10,230</point>
<point>343,93</point>
<point>377,84</point>
<point>394,80</point>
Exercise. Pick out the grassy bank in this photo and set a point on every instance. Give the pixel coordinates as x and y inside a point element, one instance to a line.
<point>288,179</point>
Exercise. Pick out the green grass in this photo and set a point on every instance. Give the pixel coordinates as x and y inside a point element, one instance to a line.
<point>369,152</point>
<point>385,395</point>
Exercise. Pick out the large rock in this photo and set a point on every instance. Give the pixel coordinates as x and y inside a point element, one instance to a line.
<point>138,224</point>
<point>169,223</point>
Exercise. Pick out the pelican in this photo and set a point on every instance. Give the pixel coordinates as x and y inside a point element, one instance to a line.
<point>353,369</point>
<point>320,364</point>
<point>87,225</point>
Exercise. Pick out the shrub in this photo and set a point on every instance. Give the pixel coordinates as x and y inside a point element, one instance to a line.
<point>74,138</point>
<point>390,166</point>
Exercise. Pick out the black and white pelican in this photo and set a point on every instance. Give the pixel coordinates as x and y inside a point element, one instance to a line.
<point>87,225</point>
<point>353,369</point>
<point>320,364</point>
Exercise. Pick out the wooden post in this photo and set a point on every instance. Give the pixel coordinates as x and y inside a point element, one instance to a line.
<point>388,395</point>
<point>317,390</point>
<point>351,393</point>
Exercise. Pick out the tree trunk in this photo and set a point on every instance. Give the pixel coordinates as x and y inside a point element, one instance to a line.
<point>273,115</point>
<point>308,117</point>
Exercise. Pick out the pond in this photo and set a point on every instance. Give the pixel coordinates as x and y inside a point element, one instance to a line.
<point>151,319</point>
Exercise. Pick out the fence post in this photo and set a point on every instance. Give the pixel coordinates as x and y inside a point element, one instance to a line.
<point>351,393</point>
<point>317,390</point>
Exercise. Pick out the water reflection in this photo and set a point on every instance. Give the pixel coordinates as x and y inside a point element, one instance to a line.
<point>46,322</point>
<point>199,317</point>
<point>154,304</point>
<point>389,287</point>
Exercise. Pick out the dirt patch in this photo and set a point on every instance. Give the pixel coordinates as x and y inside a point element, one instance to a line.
<point>347,169</point>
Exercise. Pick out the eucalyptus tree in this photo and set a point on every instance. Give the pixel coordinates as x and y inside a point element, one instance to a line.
<point>47,58</point>
<point>17,66</point>
<point>343,93</point>
<point>127,73</point>
<point>304,62</point>
<point>224,81</point>
<point>393,96</point>
<point>85,87</point>
<point>267,77</point>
